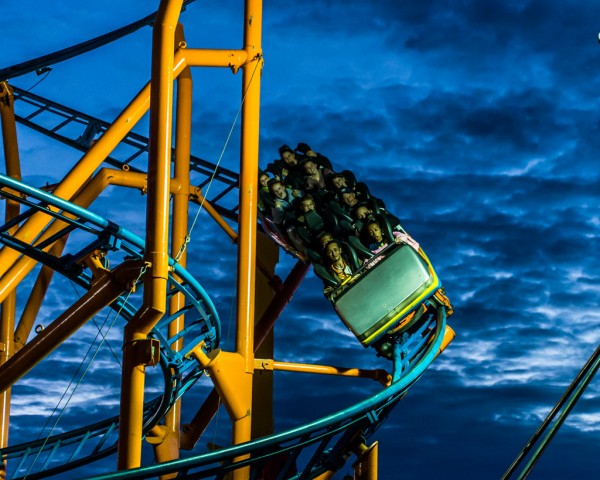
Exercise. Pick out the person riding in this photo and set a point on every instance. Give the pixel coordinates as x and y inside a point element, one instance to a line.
<point>287,168</point>
<point>283,199</point>
<point>315,175</point>
<point>378,242</point>
<point>338,266</point>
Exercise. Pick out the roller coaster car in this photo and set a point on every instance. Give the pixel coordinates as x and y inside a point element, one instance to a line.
<point>387,298</point>
<point>387,295</point>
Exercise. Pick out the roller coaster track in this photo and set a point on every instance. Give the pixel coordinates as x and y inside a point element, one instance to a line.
<point>78,130</point>
<point>319,447</point>
<point>180,371</point>
<point>329,440</point>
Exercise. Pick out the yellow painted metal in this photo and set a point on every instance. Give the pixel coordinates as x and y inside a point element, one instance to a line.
<point>201,57</point>
<point>262,411</point>
<point>326,476</point>
<point>136,109</point>
<point>196,192</point>
<point>81,172</point>
<point>226,369</point>
<point>34,302</point>
<point>366,467</point>
<point>158,95</point>
<point>448,337</point>
<point>168,447</point>
<point>234,384</point>
<point>24,265</point>
<point>248,182</point>
<point>379,375</point>
<point>7,317</point>
<point>157,233</point>
<point>248,202</point>
<point>104,291</point>
<point>9,130</point>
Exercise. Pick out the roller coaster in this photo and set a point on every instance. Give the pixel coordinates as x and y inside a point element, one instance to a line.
<point>170,321</point>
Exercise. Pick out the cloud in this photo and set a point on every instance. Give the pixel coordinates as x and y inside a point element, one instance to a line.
<point>476,124</point>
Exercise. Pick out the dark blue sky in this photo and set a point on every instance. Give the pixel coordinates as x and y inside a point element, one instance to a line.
<point>476,122</point>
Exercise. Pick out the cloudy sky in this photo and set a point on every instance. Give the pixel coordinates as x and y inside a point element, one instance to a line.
<point>476,122</point>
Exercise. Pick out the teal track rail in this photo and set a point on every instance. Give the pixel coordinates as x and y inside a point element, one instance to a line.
<point>77,130</point>
<point>321,445</point>
<point>326,442</point>
<point>180,372</point>
<point>53,58</point>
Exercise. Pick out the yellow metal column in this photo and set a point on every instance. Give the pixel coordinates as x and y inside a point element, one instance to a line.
<point>36,297</point>
<point>7,317</point>
<point>157,235</point>
<point>366,467</point>
<point>166,445</point>
<point>251,82</point>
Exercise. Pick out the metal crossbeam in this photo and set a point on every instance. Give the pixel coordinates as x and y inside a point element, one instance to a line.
<point>78,130</point>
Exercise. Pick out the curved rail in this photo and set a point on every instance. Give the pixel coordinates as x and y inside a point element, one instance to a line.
<point>66,53</point>
<point>329,439</point>
<point>180,372</point>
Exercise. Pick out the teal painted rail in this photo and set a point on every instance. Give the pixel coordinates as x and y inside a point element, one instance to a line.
<point>180,373</point>
<point>327,441</point>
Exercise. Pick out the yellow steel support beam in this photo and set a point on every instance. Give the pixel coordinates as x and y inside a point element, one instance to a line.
<point>89,192</point>
<point>248,202</point>
<point>379,375</point>
<point>167,446</point>
<point>167,66</point>
<point>226,370</point>
<point>197,193</point>
<point>365,468</point>
<point>326,476</point>
<point>7,317</point>
<point>157,234</point>
<point>203,57</point>
<point>34,302</point>
<point>122,125</point>
<point>448,337</point>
